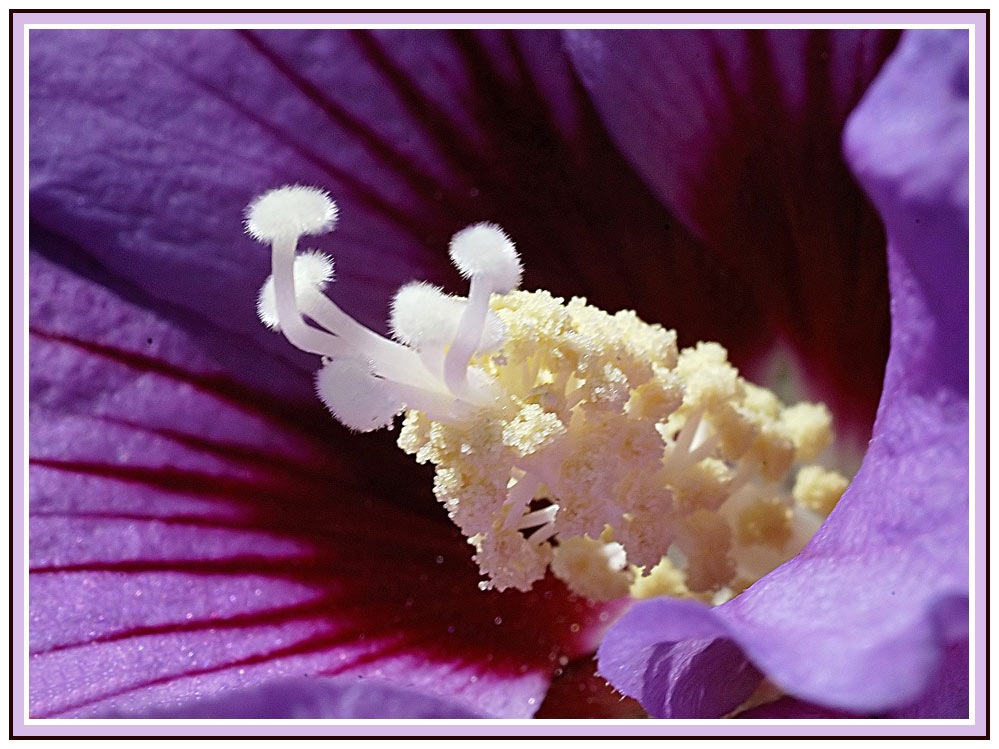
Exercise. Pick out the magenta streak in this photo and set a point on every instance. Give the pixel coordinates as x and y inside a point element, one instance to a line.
<point>223,388</point>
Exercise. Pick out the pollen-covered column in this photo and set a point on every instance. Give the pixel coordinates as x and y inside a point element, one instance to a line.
<point>564,437</point>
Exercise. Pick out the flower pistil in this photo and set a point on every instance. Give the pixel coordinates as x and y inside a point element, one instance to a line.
<point>563,437</point>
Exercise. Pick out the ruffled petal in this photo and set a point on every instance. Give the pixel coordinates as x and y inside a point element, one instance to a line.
<point>871,612</point>
<point>738,132</point>
<point>189,536</point>
<point>695,672</point>
<point>945,696</point>
<point>913,161</point>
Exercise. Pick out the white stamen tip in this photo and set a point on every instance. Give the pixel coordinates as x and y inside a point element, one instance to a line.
<point>422,314</point>
<point>356,397</point>
<point>313,271</point>
<point>484,250</point>
<point>289,212</point>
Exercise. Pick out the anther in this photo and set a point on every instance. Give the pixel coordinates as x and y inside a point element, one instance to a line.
<point>542,534</point>
<point>544,516</point>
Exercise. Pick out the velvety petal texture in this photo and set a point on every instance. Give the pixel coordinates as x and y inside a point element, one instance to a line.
<point>189,536</point>
<point>872,616</point>
<point>945,697</point>
<point>697,673</point>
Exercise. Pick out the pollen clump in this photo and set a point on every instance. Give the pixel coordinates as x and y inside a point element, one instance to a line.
<point>767,522</point>
<point>598,566</point>
<point>662,580</point>
<point>618,429</point>
<point>531,429</point>
<point>818,489</point>
<point>565,438</point>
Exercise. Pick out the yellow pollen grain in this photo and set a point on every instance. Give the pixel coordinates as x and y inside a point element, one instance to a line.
<point>810,427</point>
<point>532,428</point>
<point>768,522</point>
<point>662,580</point>
<point>705,485</point>
<point>706,539</point>
<point>592,564</point>
<point>819,489</point>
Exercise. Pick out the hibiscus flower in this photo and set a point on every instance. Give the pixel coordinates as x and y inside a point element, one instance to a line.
<point>200,530</point>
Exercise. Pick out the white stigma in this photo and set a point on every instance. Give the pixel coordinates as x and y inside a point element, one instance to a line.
<point>290,211</point>
<point>423,316</point>
<point>313,272</point>
<point>485,254</point>
<point>367,379</point>
<point>356,397</point>
<point>485,251</point>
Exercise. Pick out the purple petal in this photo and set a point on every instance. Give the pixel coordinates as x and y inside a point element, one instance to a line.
<point>189,536</point>
<point>946,696</point>
<point>738,132</point>
<point>872,612</point>
<point>946,693</point>
<point>913,161</point>
<point>322,698</point>
<point>147,146</point>
<point>698,672</point>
